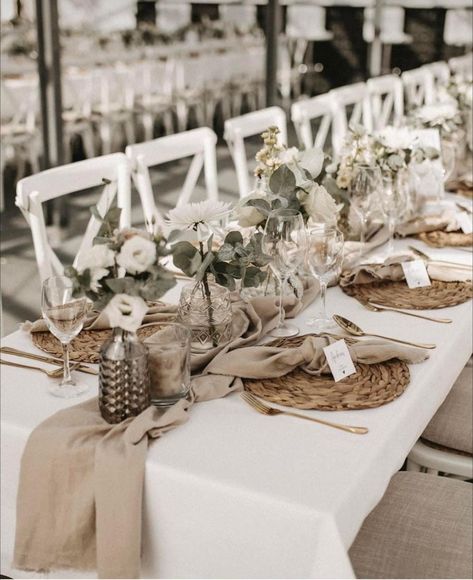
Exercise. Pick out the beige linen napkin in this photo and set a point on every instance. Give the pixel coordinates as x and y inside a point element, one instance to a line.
<point>81,482</point>
<point>391,269</point>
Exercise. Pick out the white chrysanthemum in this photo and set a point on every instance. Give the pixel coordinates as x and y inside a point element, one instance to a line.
<point>137,254</point>
<point>289,155</point>
<point>126,312</point>
<point>200,216</point>
<point>395,137</point>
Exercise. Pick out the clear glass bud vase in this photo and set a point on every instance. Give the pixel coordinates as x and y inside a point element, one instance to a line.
<point>205,308</point>
<point>123,377</point>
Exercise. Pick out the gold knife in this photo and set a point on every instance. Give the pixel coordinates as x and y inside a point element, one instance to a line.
<point>51,360</point>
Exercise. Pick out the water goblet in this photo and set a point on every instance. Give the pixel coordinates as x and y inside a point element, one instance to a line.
<point>324,252</point>
<point>393,203</point>
<point>366,183</point>
<point>64,314</point>
<point>284,240</point>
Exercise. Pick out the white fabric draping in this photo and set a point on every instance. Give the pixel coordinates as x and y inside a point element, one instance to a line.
<point>234,494</point>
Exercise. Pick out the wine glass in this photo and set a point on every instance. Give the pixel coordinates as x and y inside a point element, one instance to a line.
<point>365,184</point>
<point>64,314</point>
<point>324,252</point>
<point>394,202</point>
<point>449,155</point>
<point>284,240</point>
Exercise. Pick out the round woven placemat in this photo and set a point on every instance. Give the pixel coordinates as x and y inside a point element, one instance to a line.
<point>85,347</point>
<point>441,239</point>
<point>372,386</point>
<point>399,295</point>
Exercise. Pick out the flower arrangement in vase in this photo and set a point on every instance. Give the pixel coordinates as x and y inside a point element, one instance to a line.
<point>120,274</point>
<point>215,265</point>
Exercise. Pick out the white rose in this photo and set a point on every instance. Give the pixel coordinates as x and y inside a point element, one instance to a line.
<point>126,312</point>
<point>99,256</point>
<point>320,205</point>
<point>249,216</point>
<point>137,254</point>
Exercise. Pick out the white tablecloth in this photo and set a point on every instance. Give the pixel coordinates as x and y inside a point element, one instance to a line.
<point>234,494</point>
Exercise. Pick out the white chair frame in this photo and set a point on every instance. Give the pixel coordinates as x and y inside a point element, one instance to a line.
<point>355,95</point>
<point>462,65</point>
<point>418,87</point>
<point>199,143</point>
<point>425,458</point>
<point>239,128</point>
<point>387,101</point>
<point>305,111</point>
<point>36,189</point>
<point>440,75</point>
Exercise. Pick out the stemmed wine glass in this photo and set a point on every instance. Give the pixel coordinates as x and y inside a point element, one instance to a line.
<point>284,240</point>
<point>366,183</point>
<point>64,314</point>
<point>394,202</point>
<point>324,253</point>
<point>448,162</point>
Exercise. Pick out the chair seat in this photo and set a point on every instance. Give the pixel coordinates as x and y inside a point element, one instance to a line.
<point>422,528</point>
<point>452,425</point>
<point>314,36</point>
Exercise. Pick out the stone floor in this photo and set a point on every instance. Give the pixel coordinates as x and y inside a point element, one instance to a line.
<point>20,285</point>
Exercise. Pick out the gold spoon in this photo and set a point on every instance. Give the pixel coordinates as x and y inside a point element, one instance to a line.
<point>376,308</point>
<point>355,330</point>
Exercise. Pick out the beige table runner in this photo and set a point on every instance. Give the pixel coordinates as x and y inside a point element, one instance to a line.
<point>81,481</point>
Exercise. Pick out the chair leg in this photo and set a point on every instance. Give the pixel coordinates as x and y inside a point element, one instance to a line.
<point>148,126</point>
<point>129,131</point>
<point>106,136</point>
<point>168,122</point>
<point>88,142</point>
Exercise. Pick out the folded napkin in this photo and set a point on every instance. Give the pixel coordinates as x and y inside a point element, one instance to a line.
<point>446,221</point>
<point>81,482</point>
<point>391,269</point>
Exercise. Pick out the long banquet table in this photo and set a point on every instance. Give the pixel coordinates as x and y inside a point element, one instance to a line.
<point>235,494</point>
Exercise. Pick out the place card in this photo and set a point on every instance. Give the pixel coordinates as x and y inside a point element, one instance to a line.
<point>416,274</point>
<point>339,360</point>
<point>465,221</point>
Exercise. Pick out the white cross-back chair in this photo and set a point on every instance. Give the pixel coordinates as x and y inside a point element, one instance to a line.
<point>458,28</point>
<point>33,191</point>
<point>418,87</point>
<point>242,17</point>
<point>351,106</point>
<point>440,75</point>
<point>239,128</point>
<point>199,143</point>
<point>171,17</point>
<point>462,65</point>
<point>308,112</point>
<point>387,101</point>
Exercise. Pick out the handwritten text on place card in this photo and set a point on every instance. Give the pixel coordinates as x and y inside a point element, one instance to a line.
<point>339,360</point>
<point>416,274</point>
<point>465,221</point>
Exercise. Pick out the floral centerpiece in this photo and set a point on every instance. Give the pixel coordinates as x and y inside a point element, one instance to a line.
<point>393,150</point>
<point>215,265</point>
<point>443,116</point>
<point>121,272</point>
<point>287,178</point>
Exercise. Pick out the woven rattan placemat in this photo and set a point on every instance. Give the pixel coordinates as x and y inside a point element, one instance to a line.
<point>371,386</point>
<point>441,239</point>
<point>84,348</point>
<point>399,295</point>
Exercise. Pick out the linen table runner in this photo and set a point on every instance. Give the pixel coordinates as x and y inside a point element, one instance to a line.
<point>81,480</point>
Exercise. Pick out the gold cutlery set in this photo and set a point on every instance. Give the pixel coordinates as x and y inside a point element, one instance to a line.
<point>53,373</point>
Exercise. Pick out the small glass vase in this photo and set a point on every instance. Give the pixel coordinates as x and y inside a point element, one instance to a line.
<point>205,308</point>
<point>123,377</point>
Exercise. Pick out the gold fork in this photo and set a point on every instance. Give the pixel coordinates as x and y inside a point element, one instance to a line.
<point>54,374</point>
<point>267,410</point>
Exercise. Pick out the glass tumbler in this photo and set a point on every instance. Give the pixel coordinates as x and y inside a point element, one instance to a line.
<point>169,364</point>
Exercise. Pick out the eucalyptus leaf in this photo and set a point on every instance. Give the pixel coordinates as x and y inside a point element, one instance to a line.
<point>253,277</point>
<point>235,237</point>
<point>261,205</point>
<point>122,285</point>
<point>186,257</point>
<point>226,252</point>
<point>282,181</point>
